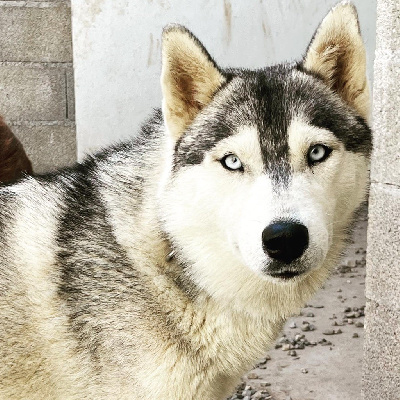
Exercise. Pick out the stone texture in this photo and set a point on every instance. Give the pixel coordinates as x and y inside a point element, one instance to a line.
<point>383,266</point>
<point>48,146</point>
<point>381,378</point>
<point>388,25</point>
<point>70,94</point>
<point>382,324</point>
<point>386,155</point>
<point>41,34</point>
<point>32,93</point>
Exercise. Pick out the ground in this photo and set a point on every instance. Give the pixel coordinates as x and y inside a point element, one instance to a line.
<point>319,353</point>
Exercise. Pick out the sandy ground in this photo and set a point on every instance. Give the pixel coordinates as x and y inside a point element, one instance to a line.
<point>325,363</point>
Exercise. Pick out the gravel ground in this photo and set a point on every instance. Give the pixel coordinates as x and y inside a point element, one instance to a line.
<point>319,354</point>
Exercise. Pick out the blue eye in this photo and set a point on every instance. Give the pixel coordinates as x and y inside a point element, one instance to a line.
<point>232,162</point>
<point>318,153</point>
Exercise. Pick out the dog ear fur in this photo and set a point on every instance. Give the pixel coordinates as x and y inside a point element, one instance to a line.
<point>189,78</point>
<point>337,55</point>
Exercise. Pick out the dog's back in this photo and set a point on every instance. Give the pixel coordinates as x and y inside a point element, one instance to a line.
<point>58,258</point>
<point>30,316</point>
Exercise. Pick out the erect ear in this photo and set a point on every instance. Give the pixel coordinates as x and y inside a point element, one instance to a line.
<point>189,78</point>
<point>336,53</point>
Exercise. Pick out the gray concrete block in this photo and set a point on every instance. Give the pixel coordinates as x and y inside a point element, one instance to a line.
<point>381,375</point>
<point>32,93</point>
<point>386,155</point>
<point>388,25</point>
<point>41,34</point>
<point>70,94</point>
<point>48,146</point>
<point>383,250</point>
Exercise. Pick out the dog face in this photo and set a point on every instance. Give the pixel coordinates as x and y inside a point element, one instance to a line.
<point>267,167</point>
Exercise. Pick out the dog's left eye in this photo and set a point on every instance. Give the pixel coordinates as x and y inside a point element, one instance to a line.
<point>232,162</point>
<point>318,153</point>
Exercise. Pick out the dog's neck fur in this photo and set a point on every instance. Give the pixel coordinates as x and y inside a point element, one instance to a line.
<point>229,332</point>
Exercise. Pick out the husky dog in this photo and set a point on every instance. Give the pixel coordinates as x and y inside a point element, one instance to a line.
<point>162,268</point>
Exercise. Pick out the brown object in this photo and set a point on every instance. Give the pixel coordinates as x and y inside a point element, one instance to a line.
<point>13,159</point>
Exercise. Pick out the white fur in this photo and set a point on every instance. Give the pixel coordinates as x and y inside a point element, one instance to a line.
<point>219,215</point>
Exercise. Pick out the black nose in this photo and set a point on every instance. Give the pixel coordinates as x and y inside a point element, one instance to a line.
<point>285,240</point>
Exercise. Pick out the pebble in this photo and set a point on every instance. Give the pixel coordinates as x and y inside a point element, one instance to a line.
<point>261,395</point>
<point>304,371</point>
<point>252,375</point>
<point>324,342</point>
<point>355,335</point>
<point>293,325</point>
<point>328,332</point>
<point>359,324</point>
<point>343,269</point>
<point>310,314</point>
<point>263,361</point>
<point>305,328</point>
<point>292,353</point>
<point>350,263</point>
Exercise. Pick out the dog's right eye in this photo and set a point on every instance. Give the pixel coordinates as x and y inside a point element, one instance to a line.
<point>318,153</point>
<point>232,162</point>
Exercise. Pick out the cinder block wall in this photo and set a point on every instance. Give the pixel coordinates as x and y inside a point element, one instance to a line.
<point>382,340</point>
<point>36,79</point>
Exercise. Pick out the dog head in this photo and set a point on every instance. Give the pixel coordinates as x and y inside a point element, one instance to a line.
<point>268,166</point>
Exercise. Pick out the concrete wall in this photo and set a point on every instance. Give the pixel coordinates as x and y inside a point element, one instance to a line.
<point>382,341</point>
<point>36,79</point>
<point>117,50</point>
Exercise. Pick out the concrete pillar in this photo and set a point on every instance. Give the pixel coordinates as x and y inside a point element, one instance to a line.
<point>36,79</point>
<point>382,340</point>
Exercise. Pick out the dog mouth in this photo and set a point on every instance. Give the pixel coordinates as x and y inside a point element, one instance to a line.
<point>285,275</point>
